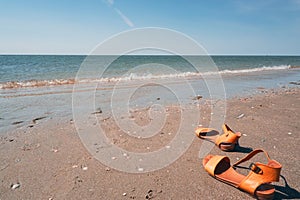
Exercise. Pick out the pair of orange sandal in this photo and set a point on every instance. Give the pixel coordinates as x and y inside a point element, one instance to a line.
<point>257,182</point>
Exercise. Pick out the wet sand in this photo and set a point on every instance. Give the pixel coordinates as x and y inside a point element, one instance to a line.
<point>46,160</point>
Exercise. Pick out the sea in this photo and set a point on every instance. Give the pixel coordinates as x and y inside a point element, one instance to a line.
<point>33,86</point>
<point>17,71</point>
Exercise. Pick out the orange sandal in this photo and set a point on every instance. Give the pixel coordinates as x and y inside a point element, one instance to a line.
<point>226,141</point>
<point>257,182</point>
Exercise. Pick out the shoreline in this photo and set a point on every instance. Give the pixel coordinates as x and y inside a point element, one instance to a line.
<point>64,95</point>
<point>49,161</point>
<point>227,73</point>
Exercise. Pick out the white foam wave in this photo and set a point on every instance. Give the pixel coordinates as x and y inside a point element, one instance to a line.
<point>132,76</point>
<point>264,68</point>
<point>35,83</point>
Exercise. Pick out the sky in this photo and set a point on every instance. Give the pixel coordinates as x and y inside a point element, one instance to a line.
<point>222,27</point>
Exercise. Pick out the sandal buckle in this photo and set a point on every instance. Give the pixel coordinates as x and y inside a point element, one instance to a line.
<point>255,168</point>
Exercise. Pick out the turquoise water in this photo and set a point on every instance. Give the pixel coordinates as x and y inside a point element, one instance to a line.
<point>25,68</point>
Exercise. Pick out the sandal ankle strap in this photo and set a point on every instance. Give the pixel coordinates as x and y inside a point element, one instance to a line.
<point>271,163</point>
<point>260,173</point>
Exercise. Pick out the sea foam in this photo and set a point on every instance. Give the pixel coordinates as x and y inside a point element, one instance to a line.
<point>133,76</point>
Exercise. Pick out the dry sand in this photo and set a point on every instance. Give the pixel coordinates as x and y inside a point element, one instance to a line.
<point>48,160</point>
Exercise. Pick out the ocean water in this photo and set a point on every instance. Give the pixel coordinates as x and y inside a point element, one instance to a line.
<point>39,70</point>
<point>33,86</point>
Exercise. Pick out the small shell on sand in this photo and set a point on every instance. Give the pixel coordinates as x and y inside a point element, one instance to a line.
<point>54,150</point>
<point>240,116</point>
<point>140,169</point>
<point>15,186</point>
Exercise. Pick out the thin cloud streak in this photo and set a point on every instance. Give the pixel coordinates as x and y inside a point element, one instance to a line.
<point>125,19</point>
<point>110,2</point>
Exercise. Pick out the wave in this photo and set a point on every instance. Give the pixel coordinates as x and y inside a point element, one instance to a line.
<point>259,69</point>
<point>132,76</point>
<point>35,83</point>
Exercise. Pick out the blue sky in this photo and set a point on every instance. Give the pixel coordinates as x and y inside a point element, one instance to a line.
<point>222,26</point>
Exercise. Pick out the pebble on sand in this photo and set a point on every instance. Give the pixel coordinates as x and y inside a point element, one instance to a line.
<point>198,97</point>
<point>98,111</point>
<point>149,194</point>
<point>124,194</point>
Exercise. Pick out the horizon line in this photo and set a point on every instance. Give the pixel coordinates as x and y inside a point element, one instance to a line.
<point>49,54</point>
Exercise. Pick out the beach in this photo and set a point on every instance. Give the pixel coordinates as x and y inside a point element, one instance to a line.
<point>149,100</point>
<point>68,132</point>
<point>44,158</point>
<point>165,100</point>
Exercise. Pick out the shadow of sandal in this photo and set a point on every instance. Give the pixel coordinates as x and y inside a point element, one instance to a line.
<point>241,149</point>
<point>285,192</point>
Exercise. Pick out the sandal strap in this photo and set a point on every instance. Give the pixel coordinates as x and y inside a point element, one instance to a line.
<point>213,163</point>
<point>250,155</point>
<point>228,136</point>
<point>260,173</point>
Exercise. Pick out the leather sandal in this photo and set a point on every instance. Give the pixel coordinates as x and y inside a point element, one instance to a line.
<point>257,182</point>
<point>225,141</point>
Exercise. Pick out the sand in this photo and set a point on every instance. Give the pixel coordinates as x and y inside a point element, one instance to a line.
<point>48,161</point>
